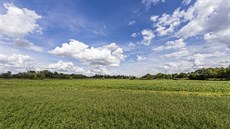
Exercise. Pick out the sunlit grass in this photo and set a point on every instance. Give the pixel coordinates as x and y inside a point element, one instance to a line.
<point>114,104</point>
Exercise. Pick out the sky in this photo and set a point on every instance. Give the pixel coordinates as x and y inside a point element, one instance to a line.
<point>129,37</point>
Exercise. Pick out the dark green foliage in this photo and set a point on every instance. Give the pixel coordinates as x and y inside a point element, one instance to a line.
<point>160,76</point>
<point>174,76</point>
<point>218,73</point>
<point>148,76</point>
<point>227,73</point>
<point>132,77</point>
<point>110,76</point>
<point>200,74</point>
<point>182,75</point>
<point>6,75</point>
<point>41,75</point>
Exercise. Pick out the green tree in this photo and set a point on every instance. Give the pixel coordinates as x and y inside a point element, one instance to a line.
<point>41,75</point>
<point>6,75</point>
<point>227,72</point>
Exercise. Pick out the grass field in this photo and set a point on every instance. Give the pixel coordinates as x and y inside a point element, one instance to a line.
<point>114,104</point>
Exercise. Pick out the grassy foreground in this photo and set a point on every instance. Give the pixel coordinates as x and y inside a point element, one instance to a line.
<point>114,104</point>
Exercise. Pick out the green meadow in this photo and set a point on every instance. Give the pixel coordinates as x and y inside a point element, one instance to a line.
<point>92,103</point>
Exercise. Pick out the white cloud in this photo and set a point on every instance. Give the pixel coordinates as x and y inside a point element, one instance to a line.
<point>140,58</point>
<point>18,22</point>
<point>186,2</point>
<point>99,70</point>
<point>209,18</point>
<point>27,44</point>
<point>189,61</point>
<point>193,59</point>
<point>105,56</point>
<point>177,44</point>
<point>71,49</point>
<point>224,63</point>
<point>148,3</point>
<point>178,66</point>
<point>203,19</point>
<point>160,48</point>
<point>66,67</point>
<point>221,36</point>
<point>148,35</point>
<point>209,36</point>
<point>15,58</point>
<point>154,18</point>
<point>166,24</point>
<point>15,62</point>
<point>134,35</point>
<point>178,54</point>
<point>198,59</point>
<point>131,23</point>
<point>131,45</point>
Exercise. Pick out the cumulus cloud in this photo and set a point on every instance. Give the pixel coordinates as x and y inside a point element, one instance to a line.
<point>105,56</point>
<point>176,66</point>
<point>177,44</point>
<point>198,59</point>
<point>15,58</point>
<point>166,23</point>
<point>203,18</point>
<point>193,59</point>
<point>15,62</point>
<point>148,35</point>
<point>18,22</point>
<point>206,20</point>
<point>66,67</point>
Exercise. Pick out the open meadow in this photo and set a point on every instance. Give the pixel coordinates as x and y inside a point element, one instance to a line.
<point>92,103</point>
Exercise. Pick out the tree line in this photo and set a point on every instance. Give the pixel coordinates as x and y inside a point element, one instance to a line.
<point>200,74</point>
<point>45,74</point>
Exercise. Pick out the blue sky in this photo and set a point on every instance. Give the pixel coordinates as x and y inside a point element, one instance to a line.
<point>131,37</point>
